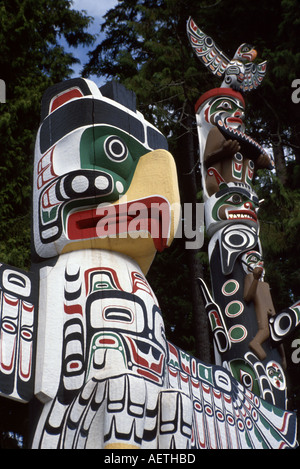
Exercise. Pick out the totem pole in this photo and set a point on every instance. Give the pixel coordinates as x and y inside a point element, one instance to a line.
<point>82,335</point>
<point>243,319</point>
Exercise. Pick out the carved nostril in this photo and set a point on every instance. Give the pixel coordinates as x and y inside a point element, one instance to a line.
<point>80,184</point>
<point>101,183</point>
<point>84,184</point>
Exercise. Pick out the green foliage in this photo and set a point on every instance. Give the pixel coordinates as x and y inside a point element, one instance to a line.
<point>31,60</point>
<point>280,230</point>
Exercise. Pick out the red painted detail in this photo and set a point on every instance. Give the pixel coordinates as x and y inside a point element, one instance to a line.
<point>73,309</point>
<point>107,341</point>
<point>111,220</point>
<point>64,98</point>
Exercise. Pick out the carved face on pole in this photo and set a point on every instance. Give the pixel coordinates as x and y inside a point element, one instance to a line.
<point>220,104</point>
<point>231,205</point>
<point>96,182</point>
<point>251,260</point>
<point>219,107</point>
<point>229,110</point>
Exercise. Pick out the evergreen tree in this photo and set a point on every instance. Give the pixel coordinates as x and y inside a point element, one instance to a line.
<point>31,60</point>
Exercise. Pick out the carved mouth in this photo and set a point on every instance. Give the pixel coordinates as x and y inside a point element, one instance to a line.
<point>148,359</point>
<point>241,215</point>
<point>234,120</point>
<point>151,215</point>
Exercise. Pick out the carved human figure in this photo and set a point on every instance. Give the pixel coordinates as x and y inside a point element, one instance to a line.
<point>258,291</point>
<point>227,153</point>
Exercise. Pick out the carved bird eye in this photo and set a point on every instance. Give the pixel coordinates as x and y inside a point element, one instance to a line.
<point>115,148</point>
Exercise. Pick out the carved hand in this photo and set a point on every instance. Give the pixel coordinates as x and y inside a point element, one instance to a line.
<point>230,147</point>
<point>257,272</point>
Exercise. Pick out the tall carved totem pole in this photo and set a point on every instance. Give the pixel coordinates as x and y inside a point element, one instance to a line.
<point>82,335</point>
<point>247,331</point>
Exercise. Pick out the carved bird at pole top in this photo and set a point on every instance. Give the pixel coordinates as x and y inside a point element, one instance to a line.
<point>239,73</point>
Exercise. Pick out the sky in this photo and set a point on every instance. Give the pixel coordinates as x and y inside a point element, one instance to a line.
<point>96,9</point>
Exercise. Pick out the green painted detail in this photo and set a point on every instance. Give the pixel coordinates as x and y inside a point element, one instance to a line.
<point>260,438</point>
<point>248,441</point>
<point>237,333</point>
<point>236,172</point>
<point>205,373</point>
<point>93,155</point>
<point>297,312</point>
<point>271,408</point>
<point>270,429</point>
<point>49,215</point>
<point>234,309</point>
<point>230,287</point>
<point>225,105</point>
<point>96,345</point>
<point>174,363</point>
<point>245,374</point>
<point>102,285</point>
<point>212,320</point>
<point>231,199</point>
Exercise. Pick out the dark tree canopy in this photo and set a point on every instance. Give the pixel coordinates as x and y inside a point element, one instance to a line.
<point>31,60</point>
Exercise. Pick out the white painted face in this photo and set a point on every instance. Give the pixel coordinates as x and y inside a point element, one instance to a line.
<point>229,110</point>
<point>252,259</point>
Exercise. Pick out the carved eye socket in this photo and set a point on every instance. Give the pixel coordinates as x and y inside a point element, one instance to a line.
<point>225,105</point>
<point>253,259</point>
<point>115,149</point>
<point>235,199</point>
<point>247,379</point>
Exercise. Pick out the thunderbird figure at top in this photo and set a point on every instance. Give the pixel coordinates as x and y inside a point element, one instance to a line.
<point>239,73</point>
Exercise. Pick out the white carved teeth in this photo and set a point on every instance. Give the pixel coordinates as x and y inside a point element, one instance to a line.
<point>239,215</point>
<point>244,137</point>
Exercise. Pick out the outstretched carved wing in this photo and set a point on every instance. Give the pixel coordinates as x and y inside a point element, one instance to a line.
<point>239,76</point>
<point>225,414</point>
<point>254,75</point>
<point>18,311</point>
<point>206,49</point>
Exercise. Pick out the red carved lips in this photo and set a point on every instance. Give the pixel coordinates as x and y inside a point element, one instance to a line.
<point>234,120</point>
<point>241,215</point>
<point>151,214</point>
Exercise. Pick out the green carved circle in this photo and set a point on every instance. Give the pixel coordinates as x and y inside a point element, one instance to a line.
<point>230,287</point>
<point>234,308</point>
<point>237,333</point>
